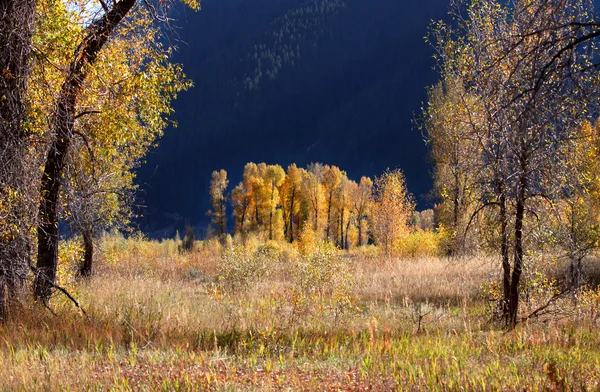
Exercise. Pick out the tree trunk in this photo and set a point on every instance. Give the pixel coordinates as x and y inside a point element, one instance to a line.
<point>518,249</point>
<point>360,231</point>
<point>63,124</point>
<point>3,307</point>
<point>16,26</point>
<point>328,216</point>
<point>504,250</point>
<point>291,227</point>
<point>342,225</point>
<point>346,234</point>
<point>271,211</point>
<point>87,268</point>
<point>223,217</point>
<point>243,217</point>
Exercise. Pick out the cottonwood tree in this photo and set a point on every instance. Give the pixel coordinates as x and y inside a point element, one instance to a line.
<point>532,89</point>
<point>70,107</point>
<point>98,185</point>
<point>331,180</point>
<point>392,210</point>
<point>362,203</point>
<point>312,188</point>
<point>578,211</point>
<point>291,201</point>
<point>274,178</point>
<point>218,186</point>
<point>17,197</point>
<point>450,121</point>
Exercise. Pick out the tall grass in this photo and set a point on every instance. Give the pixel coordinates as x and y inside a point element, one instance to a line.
<point>161,319</point>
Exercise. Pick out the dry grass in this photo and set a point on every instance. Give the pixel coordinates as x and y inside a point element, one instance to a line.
<point>159,322</point>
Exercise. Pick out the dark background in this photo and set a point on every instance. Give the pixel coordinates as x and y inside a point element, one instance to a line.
<point>282,81</point>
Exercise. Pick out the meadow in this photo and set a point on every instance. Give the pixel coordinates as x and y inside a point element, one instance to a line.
<point>271,316</point>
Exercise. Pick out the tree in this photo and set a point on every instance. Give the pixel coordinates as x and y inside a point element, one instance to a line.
<point>347,191</point>
<point>450,118</point>
<point>392,210</point>
<point>362,205</point>
<point>578,211</point>
<point>312,188</point>
<point>291,199</point>
<point>332,178</point>
<point>274,177</point>
<point>82,68</point>
<point>530,88</point>
<point>16,172</point>
<point>218,186</point>
<point>243,198</point>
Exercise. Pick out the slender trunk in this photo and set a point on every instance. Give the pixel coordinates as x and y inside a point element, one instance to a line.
<point>223,218</point>
<point>504,250</point>
<point>63,123</point>
<point>256,214</point>
<point>360,231</point>
<point>87,268</point>
<point>346,241</point>
<point>342,226</point>
<point>328,215</point>
<point>291,227</point>
<point>518,249</point>
<point>271,211</point>
<point>316,209</point>
<point>3,307</point>
<point>456,196</point>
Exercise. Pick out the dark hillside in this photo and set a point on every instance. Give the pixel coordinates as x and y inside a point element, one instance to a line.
<point>293,81</point>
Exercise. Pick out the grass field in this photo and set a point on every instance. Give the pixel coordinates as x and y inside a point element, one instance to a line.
<point>163,321</point>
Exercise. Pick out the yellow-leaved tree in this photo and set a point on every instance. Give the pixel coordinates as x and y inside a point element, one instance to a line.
<point>393,208</point>
<point>103,92</point>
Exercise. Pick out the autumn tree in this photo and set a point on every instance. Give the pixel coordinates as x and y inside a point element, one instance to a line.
<point>291,200</point>
<point>530,88</point>
<point>312,188</point>
<point>16,172</point>
<point>362,201</point>
<point>82,68</point>
<point>242,198</point>
<point>331,180</point>
<point>274,177</point>
<point>218,186</point>
<point>392,210</point>
<point>578,210</point>
<point>346,193</point>
<point>451,120</point>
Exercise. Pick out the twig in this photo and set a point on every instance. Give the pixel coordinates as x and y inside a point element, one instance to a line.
<point>538,311</point>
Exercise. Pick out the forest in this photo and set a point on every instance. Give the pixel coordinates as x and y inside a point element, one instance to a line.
<point>305,279</point>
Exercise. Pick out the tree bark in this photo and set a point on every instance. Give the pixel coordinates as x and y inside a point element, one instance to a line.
<point>504,250</point>
<point>328,215</point>
<point>271,211</point>
<point>16,26</point>
<point>360,231</point>
<point>518,249</point>
<point>87,267</point>
<point>63,124</point>
<point>292,215</point>
<point>342,225</point>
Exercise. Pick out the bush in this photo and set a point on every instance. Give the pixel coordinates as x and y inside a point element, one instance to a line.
<point>242,266</point>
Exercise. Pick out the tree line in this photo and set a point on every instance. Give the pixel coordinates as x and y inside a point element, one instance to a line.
<point>283,204</point>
